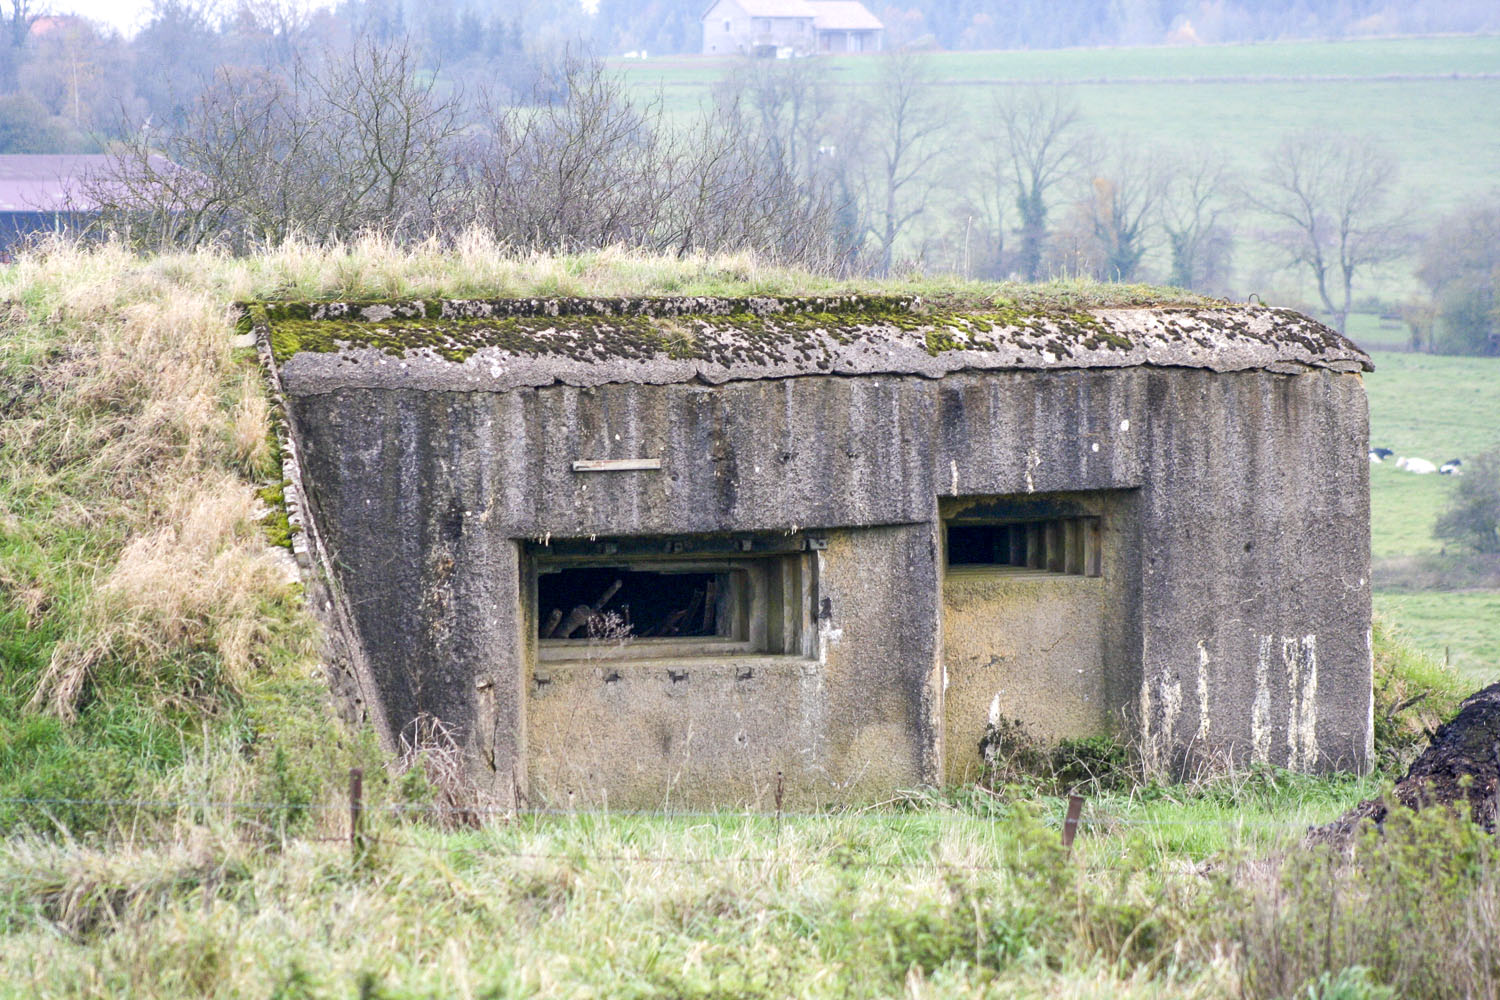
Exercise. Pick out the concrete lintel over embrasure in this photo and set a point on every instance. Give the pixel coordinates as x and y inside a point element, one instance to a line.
<point>495,346</point>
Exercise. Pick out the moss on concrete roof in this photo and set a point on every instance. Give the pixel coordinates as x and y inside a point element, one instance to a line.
<point>663,339</point>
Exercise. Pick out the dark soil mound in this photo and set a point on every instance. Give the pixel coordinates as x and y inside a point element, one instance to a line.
<point>1462,764</point>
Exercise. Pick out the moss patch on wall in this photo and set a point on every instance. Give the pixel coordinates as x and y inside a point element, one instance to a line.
<point>277,525</point>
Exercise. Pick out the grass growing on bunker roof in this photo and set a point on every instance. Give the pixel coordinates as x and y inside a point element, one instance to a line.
<point>320,323</point>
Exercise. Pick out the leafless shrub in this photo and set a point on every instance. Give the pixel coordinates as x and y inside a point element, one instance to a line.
<point>262,155</point>
<point>428,747</point>
<point>583,173</point>
<point>364,144</point>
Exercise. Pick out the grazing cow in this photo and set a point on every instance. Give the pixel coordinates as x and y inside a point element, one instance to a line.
<point>1420,466</point>
<point>1452,467</point>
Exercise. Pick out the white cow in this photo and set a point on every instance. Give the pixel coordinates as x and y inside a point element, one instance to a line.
<point>1420,466</point>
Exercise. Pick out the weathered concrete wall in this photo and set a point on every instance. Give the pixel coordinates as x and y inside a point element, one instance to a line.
<point>852,721</point>
<point>1253,514</point>
<point>1255,576</point>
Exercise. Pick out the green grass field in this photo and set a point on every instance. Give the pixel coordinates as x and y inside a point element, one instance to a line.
<point>1437,408</point>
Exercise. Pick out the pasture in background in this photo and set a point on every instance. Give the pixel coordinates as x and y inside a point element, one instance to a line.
<point>1438,408</point>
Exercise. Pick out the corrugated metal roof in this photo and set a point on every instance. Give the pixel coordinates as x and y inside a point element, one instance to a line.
<point>843,15</point>
<point>48,182</point>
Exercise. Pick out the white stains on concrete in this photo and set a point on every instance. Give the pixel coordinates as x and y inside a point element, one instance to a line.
<point>1124,425</point>
<point>953,473</point>
<point>1148,735</point>
<point>1170,692</point>
<point>1260,707</point>
<point>1094,447</point>
<point>1300,658</point>
<point>1370,714</point>
<point>1033,462</point>
<point>1203,718</point>
<point>995,710</point>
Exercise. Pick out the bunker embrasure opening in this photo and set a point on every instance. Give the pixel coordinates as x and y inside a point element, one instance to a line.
<point>671,598</point>
<point>1070,545</point>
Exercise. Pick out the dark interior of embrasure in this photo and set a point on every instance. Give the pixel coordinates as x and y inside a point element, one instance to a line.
<point>610,602</point>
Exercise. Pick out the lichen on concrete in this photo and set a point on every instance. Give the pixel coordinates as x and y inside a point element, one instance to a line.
<point>496,345</point>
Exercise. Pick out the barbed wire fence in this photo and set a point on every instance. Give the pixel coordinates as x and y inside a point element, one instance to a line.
<point>362,837</point>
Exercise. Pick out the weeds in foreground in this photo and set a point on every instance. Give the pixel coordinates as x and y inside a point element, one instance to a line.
<point>852,905</point>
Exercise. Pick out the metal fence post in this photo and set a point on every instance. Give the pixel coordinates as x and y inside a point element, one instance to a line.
<point>356,812</point>
<point>1070,824</point>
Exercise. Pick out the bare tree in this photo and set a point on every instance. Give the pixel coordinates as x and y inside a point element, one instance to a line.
<point>1194,202</point>
<point>788,102</point>
<point>395,135</point>
<point>986,194</point>
<point>1329,197</point>
<point>599,168</point>
<point>260,155</point>
<point>735,188</point>
<point>16,19</point>
<point>903,140</point>
<point>1123,196</point>
<point>1044,145</point>
<point>582,173</point>
<point>272,32</point>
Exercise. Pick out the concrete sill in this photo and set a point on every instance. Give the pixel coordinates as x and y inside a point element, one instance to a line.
<point>1015,573</point>
<point>592,651</point>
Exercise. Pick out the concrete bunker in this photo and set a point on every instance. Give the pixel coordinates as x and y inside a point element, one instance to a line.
<point>650,552</point>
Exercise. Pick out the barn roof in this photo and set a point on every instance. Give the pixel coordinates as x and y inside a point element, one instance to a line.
<point>63,182</point>
<point>495,345</point>
<point>773,8</point>
<point>47,182</point>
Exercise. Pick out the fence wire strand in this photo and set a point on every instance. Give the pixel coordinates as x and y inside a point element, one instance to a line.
<point>366,839</point>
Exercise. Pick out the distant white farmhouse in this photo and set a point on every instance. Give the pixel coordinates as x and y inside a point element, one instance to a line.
<point>846,26</point>
<point>751,26</point>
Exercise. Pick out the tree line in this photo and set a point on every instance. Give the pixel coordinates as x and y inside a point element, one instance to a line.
<point>267,123</point>
<point>666,26</point>
<point>785,164</point>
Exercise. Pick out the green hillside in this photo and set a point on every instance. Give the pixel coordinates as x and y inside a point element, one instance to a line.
<point>1435,102</point>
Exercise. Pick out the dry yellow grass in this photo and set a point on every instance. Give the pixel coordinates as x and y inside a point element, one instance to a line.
<point>139,424</point>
